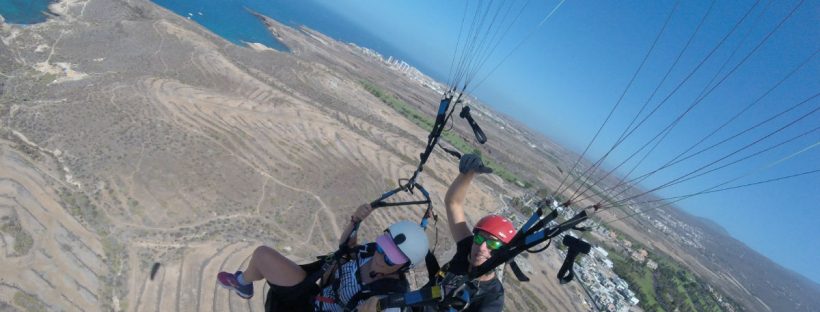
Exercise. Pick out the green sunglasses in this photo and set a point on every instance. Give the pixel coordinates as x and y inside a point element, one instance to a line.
<point>492,244</point>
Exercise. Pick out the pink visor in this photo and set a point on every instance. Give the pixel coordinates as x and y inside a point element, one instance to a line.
<point>391,250</point>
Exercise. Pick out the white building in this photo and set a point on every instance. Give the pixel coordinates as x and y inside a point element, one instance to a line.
<point>602,252</point>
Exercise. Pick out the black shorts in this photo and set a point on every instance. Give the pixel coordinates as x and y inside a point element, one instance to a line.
<point>296,298</point>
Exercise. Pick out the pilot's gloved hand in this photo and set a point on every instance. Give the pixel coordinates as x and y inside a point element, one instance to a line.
<point>472,162</point>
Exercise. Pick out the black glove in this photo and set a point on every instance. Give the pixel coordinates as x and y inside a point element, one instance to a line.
<point>472,162</point>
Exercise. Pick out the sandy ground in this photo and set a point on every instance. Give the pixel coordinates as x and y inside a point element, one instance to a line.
<point>64,264</point>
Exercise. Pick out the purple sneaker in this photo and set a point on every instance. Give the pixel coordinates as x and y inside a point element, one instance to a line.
<point>229,281</point>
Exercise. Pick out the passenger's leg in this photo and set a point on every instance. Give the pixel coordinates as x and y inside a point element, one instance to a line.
<point>269,264</point>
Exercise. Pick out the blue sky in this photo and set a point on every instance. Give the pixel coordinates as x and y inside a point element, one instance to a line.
<point>565,78</point>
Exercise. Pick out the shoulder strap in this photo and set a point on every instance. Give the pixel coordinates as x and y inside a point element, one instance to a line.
<point>354,253</point>
<point>432,265</point>
<point>576,246</point>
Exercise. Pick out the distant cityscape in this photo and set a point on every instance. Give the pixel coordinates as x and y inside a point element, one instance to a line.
<point>605,289</point>
<point>424,80</point>
<point>403,68</point>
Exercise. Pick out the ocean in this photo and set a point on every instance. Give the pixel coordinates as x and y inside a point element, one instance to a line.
<point>24,11</point>
<point>231,20</point>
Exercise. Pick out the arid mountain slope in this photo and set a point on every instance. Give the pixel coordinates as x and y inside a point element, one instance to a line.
<point>157,141</point>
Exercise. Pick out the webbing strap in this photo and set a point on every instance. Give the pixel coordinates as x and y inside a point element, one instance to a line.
<point>432,265</point>
<point>575,247</point>
<point>479,134</point>
<point>451,152</point>
<point>518,273</point>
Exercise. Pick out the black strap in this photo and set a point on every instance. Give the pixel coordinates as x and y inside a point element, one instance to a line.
<point>316,275</point>
<point>518,273</point>
<point>534,224</point>
<point>540,249</point>
<point>575,247</point>
<point>451,152</point>
<point>316,270</point>
<point>432,265</point>
<point>432,139</point>
<point>479,134</point>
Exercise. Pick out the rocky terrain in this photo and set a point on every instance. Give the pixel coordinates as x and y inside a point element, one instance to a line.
<point>130,135</point>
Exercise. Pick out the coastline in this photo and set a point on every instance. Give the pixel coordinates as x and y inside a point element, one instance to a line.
<point>59,7</point>
<point>45,14</point>
<point>256,46</point>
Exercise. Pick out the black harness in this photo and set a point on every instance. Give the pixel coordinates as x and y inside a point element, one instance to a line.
<point>378,287</point>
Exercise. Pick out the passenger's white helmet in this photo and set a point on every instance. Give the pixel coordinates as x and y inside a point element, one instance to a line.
<point>411,240</point>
